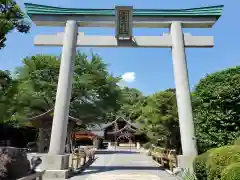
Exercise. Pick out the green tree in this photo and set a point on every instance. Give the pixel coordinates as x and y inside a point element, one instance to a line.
<point>94,94</point>
<point>100,93</point>
<point>8,88</point>
<point>217,109</point>
<point>160,119</point>
<point>11,17</point>
<point>131,101</point>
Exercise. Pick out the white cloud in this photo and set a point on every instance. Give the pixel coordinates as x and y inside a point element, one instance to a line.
<point>129,77</point>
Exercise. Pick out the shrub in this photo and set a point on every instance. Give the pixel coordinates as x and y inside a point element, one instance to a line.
<point>219,158</point>
<point>232,172</point>
<point>147,145</point>
<point>199,165</point>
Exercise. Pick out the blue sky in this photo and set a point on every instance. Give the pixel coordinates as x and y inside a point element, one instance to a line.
<point>152,67</point>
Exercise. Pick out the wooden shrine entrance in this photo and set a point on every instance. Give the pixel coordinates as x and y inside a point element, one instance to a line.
<point>122,132</point>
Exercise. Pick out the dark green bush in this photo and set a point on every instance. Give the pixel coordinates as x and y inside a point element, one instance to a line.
<point>199,165</point>
<point>219,158</point>
<point>216,109</point>
<point>147,145</point>
<point>232,172</point>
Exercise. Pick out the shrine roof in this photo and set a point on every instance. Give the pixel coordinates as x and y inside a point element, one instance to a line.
<point>126,128</point>
<point>135,125</point>
<point>210,11</point>
<point>100,127</point>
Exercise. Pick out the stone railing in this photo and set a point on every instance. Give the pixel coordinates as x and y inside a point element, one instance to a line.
<point>37,176</point>
<point>166,157</point>
<point>81,156</point>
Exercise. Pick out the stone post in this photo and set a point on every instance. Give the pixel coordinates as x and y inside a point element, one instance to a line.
<point>184,104</point>
<point>109,145</point>
<point>41,140</point>
<point>138,145</point>
<point>61,110</point>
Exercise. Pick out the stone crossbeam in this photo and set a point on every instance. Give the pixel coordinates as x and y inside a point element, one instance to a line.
<point>164,41</point>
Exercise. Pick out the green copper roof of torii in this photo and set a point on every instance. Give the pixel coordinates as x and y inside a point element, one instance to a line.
<point>213,11</point>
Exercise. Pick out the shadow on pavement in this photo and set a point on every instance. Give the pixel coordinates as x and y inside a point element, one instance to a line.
<point>99,169</point>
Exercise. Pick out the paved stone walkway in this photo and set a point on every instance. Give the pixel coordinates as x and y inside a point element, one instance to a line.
<point>123,165</point>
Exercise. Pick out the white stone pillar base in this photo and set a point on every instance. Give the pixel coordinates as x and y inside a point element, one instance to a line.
<point>57,174</point>
<point>55,166</point>
<point>185,161</point>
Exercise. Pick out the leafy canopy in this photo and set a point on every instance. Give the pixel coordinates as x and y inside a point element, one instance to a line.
<point>11,17</point>
<point>160,119</point>
<point>131,101</point>
<point>8,87</point>
<point>217,109</point>
<point>94,93</point>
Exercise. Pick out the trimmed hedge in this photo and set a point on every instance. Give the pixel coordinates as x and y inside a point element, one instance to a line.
<point>232,172</point>
<point>199,165</point>
<point>219,159</point>
<point>211,164</point>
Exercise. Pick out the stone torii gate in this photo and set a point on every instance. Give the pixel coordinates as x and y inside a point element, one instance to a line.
<point>124,19</point>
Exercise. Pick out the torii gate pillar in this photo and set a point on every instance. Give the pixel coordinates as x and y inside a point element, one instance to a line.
<point>184,104</point>
<point>64,88</point>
